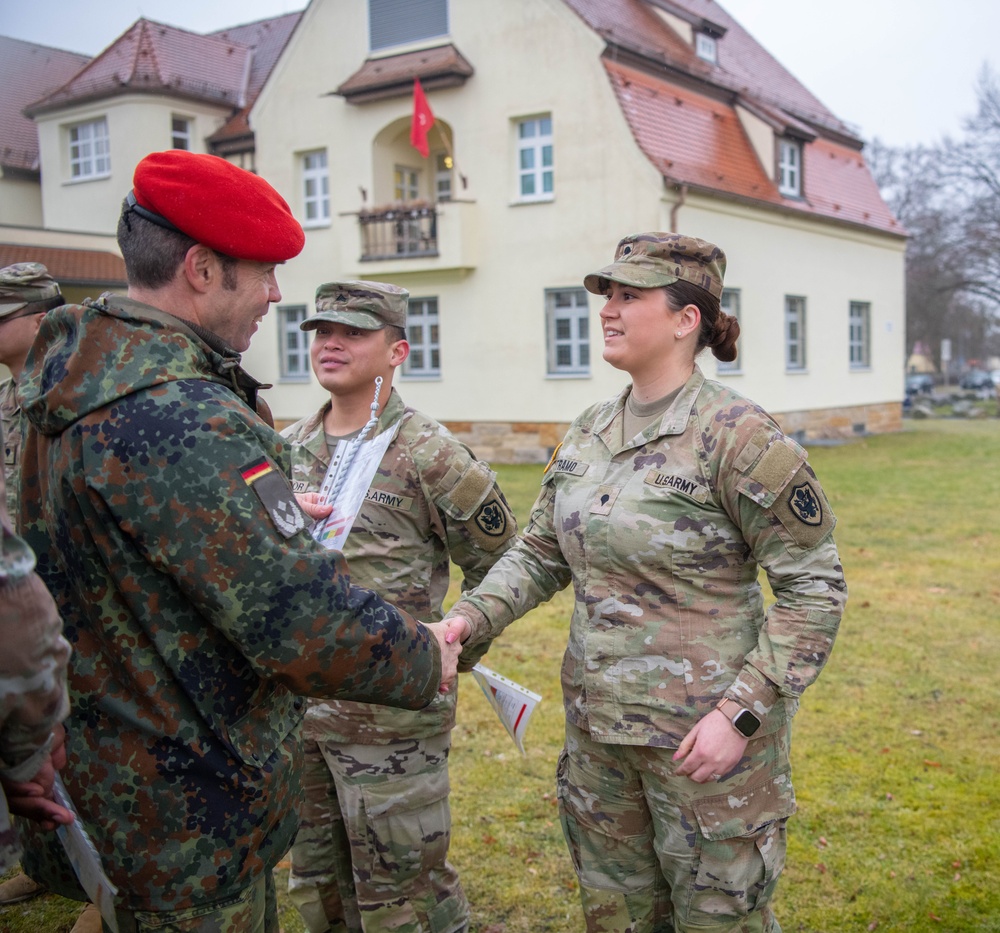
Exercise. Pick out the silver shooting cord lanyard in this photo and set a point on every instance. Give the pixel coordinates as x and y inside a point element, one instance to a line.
<point>355,446</point>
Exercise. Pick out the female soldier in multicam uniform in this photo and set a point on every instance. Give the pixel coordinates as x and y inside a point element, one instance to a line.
<point>679,688</point>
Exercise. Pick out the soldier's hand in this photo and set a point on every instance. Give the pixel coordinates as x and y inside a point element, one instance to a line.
<point>711,749</point>
<point>33,799</point>
<point>310,503</point>
<point>451,647</point>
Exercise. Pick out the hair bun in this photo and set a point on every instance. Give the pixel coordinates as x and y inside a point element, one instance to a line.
<point>727,332</point>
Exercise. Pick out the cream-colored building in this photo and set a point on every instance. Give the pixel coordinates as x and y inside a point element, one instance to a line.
<point>559,126</point>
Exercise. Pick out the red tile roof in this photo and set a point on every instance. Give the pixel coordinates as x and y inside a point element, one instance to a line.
<point>267,39</point>
<point>390,76</point>
<point>154,57</point>
<point>27,72</point>
<point>682,112</point>
<point>70,266</point>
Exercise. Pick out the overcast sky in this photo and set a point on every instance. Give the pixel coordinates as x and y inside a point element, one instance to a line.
<point>904,72</point>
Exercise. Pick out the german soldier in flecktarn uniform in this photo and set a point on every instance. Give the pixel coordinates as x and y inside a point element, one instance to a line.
<point>200,608</point>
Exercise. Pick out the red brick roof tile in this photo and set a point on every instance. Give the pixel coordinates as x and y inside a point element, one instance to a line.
<point>70,266</point>
<point>28,71</point>
<point>267,39</point>
<point>681,111</point>
<point>154,57</point>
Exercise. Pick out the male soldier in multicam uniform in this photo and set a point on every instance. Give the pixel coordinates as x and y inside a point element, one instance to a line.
<point>679,687</point>
<point>371,854</point>
<point>200,609</point>
<point>27,291</point>
<point>33,698</point>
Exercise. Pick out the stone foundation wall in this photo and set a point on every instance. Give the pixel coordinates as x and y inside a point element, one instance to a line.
<point>533,442</point>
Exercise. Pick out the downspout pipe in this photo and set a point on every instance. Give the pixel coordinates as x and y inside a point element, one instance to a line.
<point>682,191</point>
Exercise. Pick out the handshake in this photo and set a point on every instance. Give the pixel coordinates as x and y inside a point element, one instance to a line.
<point>450,633</point>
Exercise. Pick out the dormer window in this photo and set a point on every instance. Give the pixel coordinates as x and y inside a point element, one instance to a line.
<point>401,22</point>
<point>790,168</point>
<point>705,47</point>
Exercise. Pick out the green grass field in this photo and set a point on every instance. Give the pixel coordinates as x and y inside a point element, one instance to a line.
<point>897,746</point>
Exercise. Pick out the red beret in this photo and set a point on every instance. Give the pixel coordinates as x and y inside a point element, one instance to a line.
<point>216,203</point>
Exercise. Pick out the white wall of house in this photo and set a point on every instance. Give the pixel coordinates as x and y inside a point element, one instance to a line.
<point>498,256</point>
<point>20,201</point>
<point>771,255</point>
<point>137,125</point>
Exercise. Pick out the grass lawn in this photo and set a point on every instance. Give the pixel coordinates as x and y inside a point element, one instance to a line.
<point>897,746</point>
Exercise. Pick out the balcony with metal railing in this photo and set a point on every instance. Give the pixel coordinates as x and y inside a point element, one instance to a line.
<point>411,236</point>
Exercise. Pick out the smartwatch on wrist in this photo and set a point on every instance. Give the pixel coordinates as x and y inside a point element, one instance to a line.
<point>744,722</point>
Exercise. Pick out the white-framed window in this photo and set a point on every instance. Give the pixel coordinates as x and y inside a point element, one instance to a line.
<point>534,159</point>
<point>423,334</point>
<point>790,168</point>
<point>293,343</point>
<point>443,165</point>
<point>90,149</point>
<point>181,132</point>
<point>705,47</point>
<point>315,189</point>
<point>795,333</point>
<point>859,334</point>
<point>398,22</point>
<point>405,183</point>
<point>730,303</point>
<point>567,332</point>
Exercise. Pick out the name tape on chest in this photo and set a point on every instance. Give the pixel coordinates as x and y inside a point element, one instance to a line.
<point>389,499</point>
<point>691,488</point>
<point>275,493</point>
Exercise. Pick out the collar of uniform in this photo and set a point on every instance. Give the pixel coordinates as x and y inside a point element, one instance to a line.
<point>674,420</point>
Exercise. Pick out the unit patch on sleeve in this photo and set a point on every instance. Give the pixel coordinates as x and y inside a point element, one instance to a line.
<point>805,504</point>
<point>275,494</point>
<point>491,519</point>
<point>802,509</point>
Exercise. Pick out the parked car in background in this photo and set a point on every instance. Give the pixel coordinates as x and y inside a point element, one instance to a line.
<point>995,376</point>
<point>919,384</point>
<point>976,379</point>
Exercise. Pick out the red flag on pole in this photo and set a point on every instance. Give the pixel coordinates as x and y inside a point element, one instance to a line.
<point>423,120</point>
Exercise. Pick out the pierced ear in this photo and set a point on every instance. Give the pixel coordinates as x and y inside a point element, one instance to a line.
<point>689,318</point>
<point>200,267</point>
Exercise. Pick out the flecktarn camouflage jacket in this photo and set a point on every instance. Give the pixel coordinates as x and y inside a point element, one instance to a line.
<point>199,607</point>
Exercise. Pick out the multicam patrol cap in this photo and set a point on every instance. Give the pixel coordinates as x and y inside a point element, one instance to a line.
<point>27,287</point>
<point>650,260</point>
<point>368,305</point>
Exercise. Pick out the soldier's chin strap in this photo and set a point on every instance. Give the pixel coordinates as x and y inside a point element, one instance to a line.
<point>133,206</point>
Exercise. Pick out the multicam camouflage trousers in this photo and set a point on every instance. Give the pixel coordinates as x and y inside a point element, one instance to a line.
<point>657,853</point>
<point>371,852</point>
<point>253,909</point>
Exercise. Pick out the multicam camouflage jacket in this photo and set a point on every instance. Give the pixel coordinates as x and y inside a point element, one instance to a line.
<point>662,537</point>
<point>430,501</point>
<point>32,671</point>
<point>10,417</point>
<point>199,607</point>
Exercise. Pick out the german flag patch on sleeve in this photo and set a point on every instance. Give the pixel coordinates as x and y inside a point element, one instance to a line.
<point>275,493</point>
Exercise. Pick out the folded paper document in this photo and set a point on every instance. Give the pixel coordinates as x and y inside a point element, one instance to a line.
<point>513,703</point>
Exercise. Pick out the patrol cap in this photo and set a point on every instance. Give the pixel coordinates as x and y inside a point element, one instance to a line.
<point>650,260</point>
<point>24,284</point>
<point>216,203</point>
<point>368,305</point>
